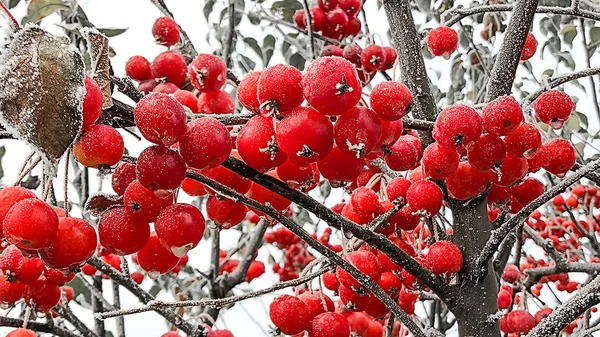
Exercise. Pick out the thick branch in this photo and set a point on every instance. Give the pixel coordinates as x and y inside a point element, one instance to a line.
<point>412,67</point>
<point>461,13</point>
<point>48,327</point>
<point>252,246</point>
<point>499,234</point>
<point>509,56</point>
<point>337,221</point>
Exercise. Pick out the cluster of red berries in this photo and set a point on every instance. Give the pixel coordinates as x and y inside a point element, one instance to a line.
<point>334,19</point>
<point>44,247</point>
<point>367,61</point>
<point>229,264</point>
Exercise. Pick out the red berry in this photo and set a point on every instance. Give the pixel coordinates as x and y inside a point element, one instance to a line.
<point>166,31</point>
<point>297,177</point>
<point>504,299</point>
<point>100,145</point>
<point>247,92</point>
<point>10,292</point>
<point>363,260</point>
<point>215,102</point>
<point>300,19</point>
<point>332,50</point>
<point>353,28</point>
<point>319,19</point>
<point>171,66</point>
<point>166,88</point>
<point>351,7</point>
<point>439,162</point>
<point>397,188</point>
<point>511,170</point>
<point>424,196</point>
<point>528,190</point>
<point>442,41</point>
<point>226,213</point>
<point>42,295</point>
<point>206,144</point>
<point>502,115</point>
<point>143,204</point>
<point>353,215</point>
<point>257,145</point>
<point>529,48</point>
<point>123,175</point>
<point>317,302</point>
<point>147,86</point>
<point>390,132</point>
<point>390,57</point>
<point>207,73</point>
<point>192,187</point>
<point>180,227</point>
<point>340,168</point>
<point>561,156</point>
<point>31,224</point>
<point>223,333</point>
<point>75,243</point>
<point>466,182</point>
<point>289,314</point>
<point>160,168</point>
<point>444,257</point>
<point>352,300</point>
<point>137,277</point>
<point>187,99</point>
<point>524,141</point>
<point>329,324</point>
<point>138,68</point>
<point>9,196</point>
<point>279,89</point>
<point>330,281</point>
<point>331,85</point>
<point>553,108</point>
<point>21,333</point>
<point>154,258</point>
<point>228,178</point>
<point>404,154</point>
<point>520,321</point>
<point>92,102</point>
<point>264,196</point>
<point>457,126</point>
<point>336,20</point>
<point>373,58</point>
<point>390,100</point>
<point>352,53</point>
<point>357,131</point>
<point>364,200</point>
<point>305,135</point>
<point>160,118</point>
<point>487,152</point>
<point>121,233</point>
<point>511,273</point>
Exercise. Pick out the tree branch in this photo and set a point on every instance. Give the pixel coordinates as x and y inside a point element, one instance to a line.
<point>228,39</point>
<point>509,56</point>
<point>48,327</point>
<point>559,80</point>
<point>412,67</point>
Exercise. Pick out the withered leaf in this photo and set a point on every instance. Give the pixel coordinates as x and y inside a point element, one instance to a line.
<point>100,202</point>
<point>100,62</point>
<point>41,92</point>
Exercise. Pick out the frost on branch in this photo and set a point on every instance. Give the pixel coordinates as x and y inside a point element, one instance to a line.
<point>41,92</point>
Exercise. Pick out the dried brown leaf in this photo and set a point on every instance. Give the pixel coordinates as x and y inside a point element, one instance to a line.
<point>100,63</point>
<point>98,203</point>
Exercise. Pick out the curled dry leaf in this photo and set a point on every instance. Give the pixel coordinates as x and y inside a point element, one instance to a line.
<point>100,63</point>
<point>98,203</point>
<point>41,92</point>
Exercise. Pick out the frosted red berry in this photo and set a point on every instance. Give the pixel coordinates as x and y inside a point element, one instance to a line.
<point>9,196</point>
<point>390,56</point>
<point>329,324</point>
<point>561,156</point>
<point>257,144</point>
<point>364,200</point>
<point>123,175</point>
<point>99,145</point>
<point>404,154</point>
<point>289,314</point>
<point>10,292</point>
<point>21,333</point>
<point>171,66</point>
<point>397,188</point>
<point>160,168</point>
<point>206,144</point>
<point>317,302</point>
<point>166,31</point>
<point>331,85</point>
<point>340,168</point>
<point>180,227</point>
<point>143,204</point>
<point>42,295</point>
<point>363,260</point>
<point>121,233</point>
<point>502,115</point>
<point>487,152</point>
<point>336,20</point>
<point>553,108</point>
<point>332,50</point>
<point>207,73</point>
<point>31,224</point>
<point>226,213</point>
<point>351,7</point>
<point>442,41</point>
<point>297,177</point>
<point>279,89</point>
<point>166,88</point>
<point>138,68</point>
<point>154,258</point>
<point>305,135</point>
<point>529,48</point>
<point>187,99</point>
<point>390,100</point>
<point>457,126</point>
<point>444,257</point>
<point>357,131</point>
<point>511,171</point>
<point>424,196</point>
<point>466,182</point>
<point>247,92</point>
<point>160,118</point>
<point>373,58</point>
<point>92,102</point>
<point>439,162</point>
<point>75,243</point>
<point>524,141</point>
<point>352,28</point>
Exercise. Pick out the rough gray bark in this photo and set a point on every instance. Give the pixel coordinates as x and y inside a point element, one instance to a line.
<point>412,66</point>
<point>507,61</point>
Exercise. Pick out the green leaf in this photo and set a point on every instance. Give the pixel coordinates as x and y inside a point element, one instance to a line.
<point>254,18</point>
<point>594,38</point>
<point>39,9</point>
<point>246,63</point>
<point>548,73</point>
<point>287,8</point>
<point>111,32</point>
<point>583,118</point>
<point>251,42</point>
<point>285,47</point>
<point>208,7</point>
<point>569,33</point>
<point>13,3</point>
<point>268,48</point>
<point>298,61</point>
<point>155,290</point>
<point>573,122</point>
<point>83,296</point>
<point>325,189</point>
